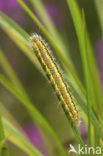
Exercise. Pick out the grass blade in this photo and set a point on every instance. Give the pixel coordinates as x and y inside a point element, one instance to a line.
<point>8,70</point>
<point>46,20</point>
<point>32,111</point>
<point>7,115</point>
<point>53,43</point>
<point>76,15</point>
<point>19,95</point>
<point>19,140</point>
<point>99,7</point>
<point>3,145</point>
<point>15,33</point>
<point>87,77</point>
<point>11,74</point>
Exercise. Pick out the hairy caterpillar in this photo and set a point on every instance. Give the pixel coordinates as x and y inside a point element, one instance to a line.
<point>54,76</point>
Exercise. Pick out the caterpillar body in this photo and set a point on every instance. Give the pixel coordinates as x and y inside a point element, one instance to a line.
<point>55,77</point>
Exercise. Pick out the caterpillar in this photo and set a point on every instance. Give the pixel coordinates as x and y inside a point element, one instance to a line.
<point>55,77</point>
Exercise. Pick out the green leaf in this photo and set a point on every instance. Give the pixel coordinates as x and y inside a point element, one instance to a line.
<point>32,111</point>
<point>46,20</point>
<point>77,19</point>
<point>11,74</point>
<point>3,145</point>
<point>87,77</point>
<point>19,140</point>
<point>19,37</point>
<point>99,8</point>
<point>8,70</point>
<point>7,115</point>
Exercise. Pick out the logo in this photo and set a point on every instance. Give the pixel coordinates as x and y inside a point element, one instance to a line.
<point>84,150</point>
